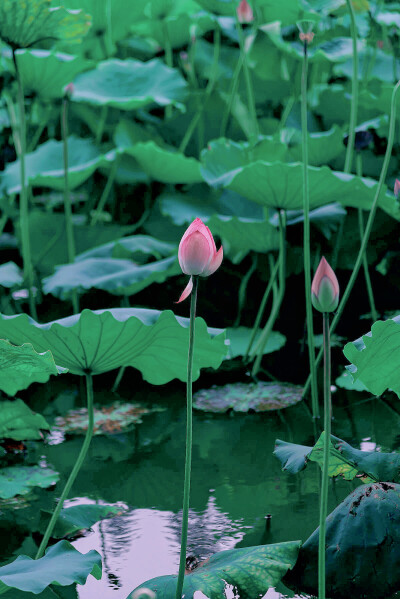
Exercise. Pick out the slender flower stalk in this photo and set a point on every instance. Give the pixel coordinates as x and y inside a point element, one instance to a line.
<point>74,473</point>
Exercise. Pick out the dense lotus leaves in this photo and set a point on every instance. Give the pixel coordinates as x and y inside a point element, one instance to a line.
<point>18,422</point>
<point>130,84</point>
<point>389,19</point>
<point>20,366</point>
<point>239,338</point>
<point>134,247</point>
<point>242,397</point>
<point>78,517</point>
<point>326,218</point>
<point>323,147</point>
<point>251,570</point>
<point>344,460</point>
<point>62,565</point>
<point>346,381</point>
<point>362,547</point>
<point>45,167</point>
<point>19,480</point>
<point>10,275</point>
<point>375,357</point>
<point>174,28</point>
<point>379,65</point>
<point>22,24</point>
<point>117,276</point>
<point>154,342</point>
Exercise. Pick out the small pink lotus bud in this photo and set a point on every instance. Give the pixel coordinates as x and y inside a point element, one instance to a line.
<point>325,288</point>
<point>69,90</point>
<point>306,37</point>
<point>197,254</point>
<point>396,188</point>
<point>244,12</point>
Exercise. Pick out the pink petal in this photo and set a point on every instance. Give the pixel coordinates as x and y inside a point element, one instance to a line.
<point>194,254</point>
<point>396,187</point>
<point>198,225</point>
<point>186,292</point>
<point>214,264</point>
<point>324,270</point>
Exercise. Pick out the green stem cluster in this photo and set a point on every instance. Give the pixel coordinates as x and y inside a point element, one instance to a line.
<point>249,84</point>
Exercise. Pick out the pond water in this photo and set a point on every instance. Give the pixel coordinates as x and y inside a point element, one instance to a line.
<point>236,483</point>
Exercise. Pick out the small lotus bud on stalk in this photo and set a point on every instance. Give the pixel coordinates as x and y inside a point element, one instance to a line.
<point>396,188</point>
<point>325,288</point>
<point>69,90</point>
<point>244,12</point>
<point>306,35</point>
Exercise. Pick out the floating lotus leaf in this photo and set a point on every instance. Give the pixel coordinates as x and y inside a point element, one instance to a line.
<point>20,366</point>
<point>239,338</point>
<point>62,565</point>
<point>19,480</point>
<point>45,166</point>
<point>18,422</point>
<point>250,570</point>
<point>23,24</point>
<point>78,517</point>
<point>114,418</point>
<point>119,277</point>
<point>375,357</point>
<point>130,84</point>
<point>154,342</point>
<point>362,547</point>
<point>10,275</point>
<point>242,397</point>
<point>346,381</point>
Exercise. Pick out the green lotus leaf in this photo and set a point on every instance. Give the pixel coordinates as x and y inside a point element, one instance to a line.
<point>18,422</point>
<point>134,247</point>
<point>10,275</point>
<point>251,570</point>
<point>24,23</point>
<point>389,19</point>
<point>117,276</point>
<point>62,565</point>
<point>323,147</point>
<point>346,381</point>
<point>20,366</point>
<point>174,27</point>
<point>239,338</point>
<point>375,357</point>
<point>19,480</point>
<point>130,84</point>
<point>45,167</point>
<point>378,63</point>
<point>154,342</point>
<point>78,517</point>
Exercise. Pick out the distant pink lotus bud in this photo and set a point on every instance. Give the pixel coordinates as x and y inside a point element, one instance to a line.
<point>308,37</point>
<point>69,89</point>
<point>379,44</point>
<point>197,254</point>
<point>325,288</point>
<point>244,12</point>
<point>396,188</point>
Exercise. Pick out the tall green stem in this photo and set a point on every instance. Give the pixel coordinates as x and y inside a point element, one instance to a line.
<point>243,289</point>
<point>249,84</point>
<point>106,191</point>
<point>168,60</point>
<point>188,458</point>
<point>327,439</point>
<point>67,198</point>
<point>24,204</point>
<point>79,461</point>
<point>306,238</point>
<point>368,226</point>
<point>231,95</point>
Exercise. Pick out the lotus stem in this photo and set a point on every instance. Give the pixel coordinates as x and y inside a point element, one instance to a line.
<point>188,458</point>
<point>249,84</point>
<point>106,191</point>
<point>102,123</point>
<point>79,461</point>
<point>168,60</point>
<point>243,288</point>
<point>368,227</point>
<point>306,237</point>
<point>232,94</point>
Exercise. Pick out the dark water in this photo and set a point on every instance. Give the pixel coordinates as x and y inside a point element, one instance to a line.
<point>236,482</point>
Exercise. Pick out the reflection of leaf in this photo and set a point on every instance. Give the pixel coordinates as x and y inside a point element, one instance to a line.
<point>19,480</point>
<point>251,570</point>
<point>18,422</point>
<point>77,517</point>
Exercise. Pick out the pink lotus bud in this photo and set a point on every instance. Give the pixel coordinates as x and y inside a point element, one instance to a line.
<point>325,288</point>
<point>69,90</point>
<point>396,188</point>
<point>244,12</point>
<point>306,37</point>
<point>197,254</point>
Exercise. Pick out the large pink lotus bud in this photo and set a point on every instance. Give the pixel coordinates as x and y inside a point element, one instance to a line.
<point>197,253</point>
<point>325,288</point>
<point>396,188</point>
<point>244,12</point>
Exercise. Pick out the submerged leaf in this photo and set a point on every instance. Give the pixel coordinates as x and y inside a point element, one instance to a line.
<point>19,480</point>
<point>18,422</point>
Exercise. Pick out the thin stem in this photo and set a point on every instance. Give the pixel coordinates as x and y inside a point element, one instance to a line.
<point>247,77</point>
<point>327,440</point>
<point>108,32</point>
<point>243,289</point>
<point>368,228</point>
<point>188,458</point>
<point>232,94</point>
<point>168,60</point>
<point>370,292</point>
<point>102,123</point>
<point>354,92</point>
<point>24,204</point>
<point>67,198</point>
<point>106,191</point>
<point>277,304</point>
<point>306,238</point>
<point>79,461</point>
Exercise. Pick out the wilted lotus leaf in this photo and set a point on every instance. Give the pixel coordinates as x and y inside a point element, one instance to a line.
<point>18,422</point>
<point>19,480</point>
<point>243,397</point>
<point>23,23</point>
<point>110,419</point>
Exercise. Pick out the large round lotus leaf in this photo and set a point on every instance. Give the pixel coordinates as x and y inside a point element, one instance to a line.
<point>130,84</point>
<point>19,480</point>
<point>18,422</point>
<point>323,146</point>
<point>243,397</point>
<point>154,342</point>
<point>378,63</point>
<point>133,247</point>
<point>45,166</point>
<point>117,276</point>
<point>375,357</point>
<point>46,72</point>
<point>61,565</point>
<point>250,570</point>
<point>22,24</point>
<point>362,547</point>
<point>239,338</point>
<point>20,366</point>
<point>109,419</point>
<point>10,275</point>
